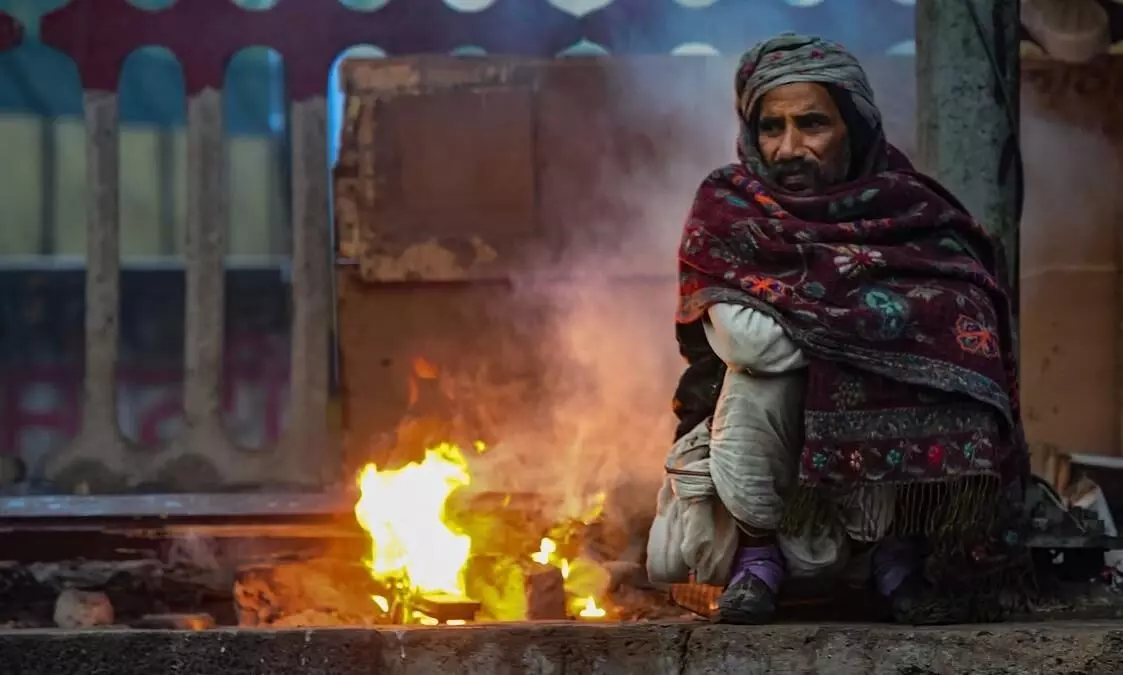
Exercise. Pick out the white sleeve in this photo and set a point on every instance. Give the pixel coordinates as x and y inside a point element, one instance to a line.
<point>750,340</point>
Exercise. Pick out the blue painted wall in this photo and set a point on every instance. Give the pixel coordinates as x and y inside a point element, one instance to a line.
<point>37,80</point>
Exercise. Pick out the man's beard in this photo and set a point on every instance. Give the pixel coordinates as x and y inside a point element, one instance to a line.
<point>799,175</point>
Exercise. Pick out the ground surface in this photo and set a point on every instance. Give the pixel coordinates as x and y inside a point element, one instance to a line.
<point>643,649</point>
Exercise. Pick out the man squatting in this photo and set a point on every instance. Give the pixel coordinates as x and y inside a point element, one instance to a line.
<point>850,397</point>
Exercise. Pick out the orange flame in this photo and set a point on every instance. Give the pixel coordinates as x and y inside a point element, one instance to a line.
<point>403,512</point>
<point>414,551</point>
<point>590,610</point>
<point>583,607</point>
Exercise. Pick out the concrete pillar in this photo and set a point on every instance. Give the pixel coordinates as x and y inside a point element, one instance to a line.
<point>967,90</point>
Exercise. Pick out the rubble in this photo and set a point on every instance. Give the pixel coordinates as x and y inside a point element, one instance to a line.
<point>83,609</point>
<point>308,618</point>
<point>545,593</point>
<point>319,592</point>
<point>282,578</point>
<point>326,592</point>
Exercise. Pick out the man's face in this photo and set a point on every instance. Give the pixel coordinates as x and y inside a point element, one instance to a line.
<point>802,138</point>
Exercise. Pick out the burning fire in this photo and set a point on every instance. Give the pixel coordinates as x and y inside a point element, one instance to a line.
<point>415,553</point>
<point>589,609</point>
<point>583,607</point>
<point>403,512</point>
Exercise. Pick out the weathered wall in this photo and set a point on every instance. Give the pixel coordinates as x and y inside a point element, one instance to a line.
<point>1072,140</point>
<point>575,172</point>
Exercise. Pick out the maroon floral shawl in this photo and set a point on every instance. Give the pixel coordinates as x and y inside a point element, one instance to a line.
<point>898,299</point>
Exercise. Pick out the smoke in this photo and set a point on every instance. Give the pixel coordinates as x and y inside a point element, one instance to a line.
<point>609,360</point>
<point>608,355</point>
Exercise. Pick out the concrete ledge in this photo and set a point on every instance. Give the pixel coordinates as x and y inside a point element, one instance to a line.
<point>641,649</point>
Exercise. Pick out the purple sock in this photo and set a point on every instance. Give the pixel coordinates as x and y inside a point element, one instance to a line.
<point>763,562</point>
<point>893,561</point>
